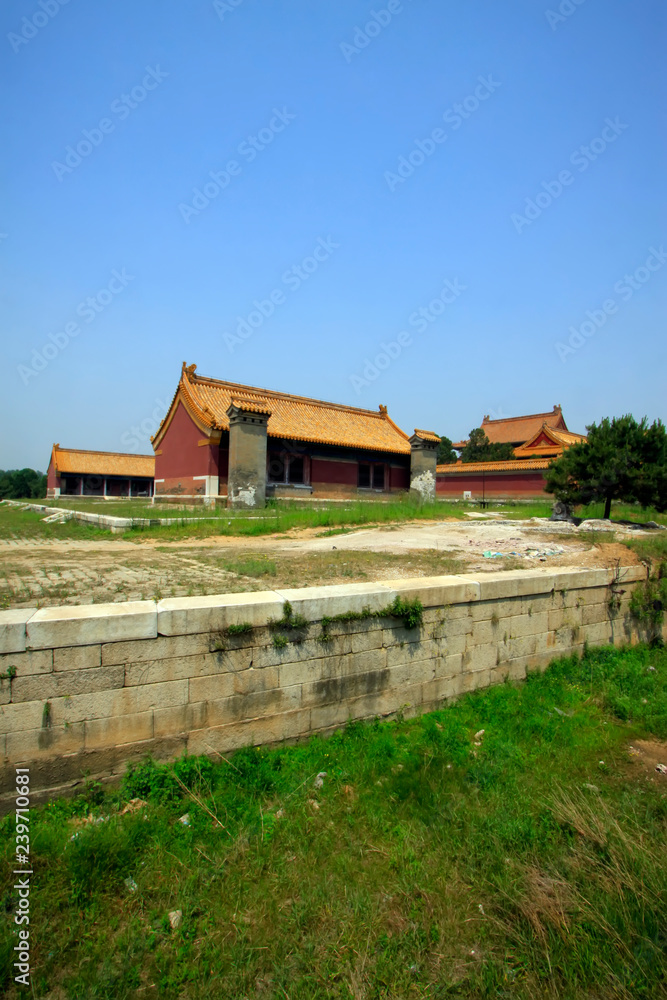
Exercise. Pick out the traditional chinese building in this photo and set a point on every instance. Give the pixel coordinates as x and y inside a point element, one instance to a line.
<point>73,472</point>
<point>222,439</point>
<point>537,440</point>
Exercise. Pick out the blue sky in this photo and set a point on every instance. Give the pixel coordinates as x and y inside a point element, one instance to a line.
<point>531,183</point>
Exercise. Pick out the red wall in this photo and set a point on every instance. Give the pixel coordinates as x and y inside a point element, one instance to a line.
<point>182,458</point>
<point>324,471</point>
<point>51,480</point>
<point>517,484</point>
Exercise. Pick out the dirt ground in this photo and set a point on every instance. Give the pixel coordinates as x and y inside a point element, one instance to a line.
<point>34,572</point>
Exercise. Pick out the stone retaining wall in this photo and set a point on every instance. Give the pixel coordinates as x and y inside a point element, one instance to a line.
<point>87,689</point>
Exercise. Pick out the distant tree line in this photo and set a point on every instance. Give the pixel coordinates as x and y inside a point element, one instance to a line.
<point>22,484</point>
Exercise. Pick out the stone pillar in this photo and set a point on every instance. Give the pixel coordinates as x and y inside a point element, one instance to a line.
<point>246,482</point>
<point>423,460</point>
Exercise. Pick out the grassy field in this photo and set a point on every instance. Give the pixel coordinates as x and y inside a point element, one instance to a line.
<point>278,518</point>
<point>431,862</point>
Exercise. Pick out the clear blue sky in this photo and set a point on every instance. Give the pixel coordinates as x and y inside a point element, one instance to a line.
<point>333,110</point>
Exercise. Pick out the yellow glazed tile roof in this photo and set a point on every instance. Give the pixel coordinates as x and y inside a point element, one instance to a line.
<point>508,430</point>
<point>465,468</point>
<point>292,417</point>
<point>427,435</point>
<point>102,463</point>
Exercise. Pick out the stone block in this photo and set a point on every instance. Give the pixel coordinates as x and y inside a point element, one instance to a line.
<point>525,645</point>
<point>182,667</point>
<point>77,657</point>
<point>504,585</point>
<point>331,666</point>
<point>33,744</point>
<point>255,732</point>
<point>593,614</point>
<point>485,610</point>
<point>163,647</point>
<point>38,661</point>
<point>5,690</point>
<point>13,629</point>
<point>111,732</point>
<point>317,602</point>
<point>258,704</point>
<point>180,719</point>
<point>436,591</point>
<point>65,683</point>
<point>212,687</point>
<point>487,631</point>
<point>298,652</point>
<point>473,680</point>
<point>600,633</point>
<point>361,642</point>
<point>119,702</point>
<point>442,689</point>
<point>449,629</point>
<point>15,718</point>
<point>214,613</point>
<point>528,624</point>
<point>343,689</point>
<point>83,625</point>
<point>534,604</point>
<point>479,658</point>
<point>410,651</point>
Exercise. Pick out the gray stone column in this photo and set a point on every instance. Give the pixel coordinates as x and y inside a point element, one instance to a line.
<point>423,460</point>
<point>246,482</point>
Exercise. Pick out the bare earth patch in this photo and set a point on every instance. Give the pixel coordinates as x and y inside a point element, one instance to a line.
<point>645,756</point>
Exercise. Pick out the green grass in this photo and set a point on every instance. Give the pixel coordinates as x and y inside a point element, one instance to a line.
<point>429,864</point>
<point>15,523</point>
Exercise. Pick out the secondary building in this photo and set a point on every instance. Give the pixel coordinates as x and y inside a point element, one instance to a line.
<point>73,472</point>
<point>537,440</point>
<point>222,439</point>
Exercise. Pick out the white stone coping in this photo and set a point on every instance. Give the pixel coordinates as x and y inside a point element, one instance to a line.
<point>80,625</point>
<point>84,624</point>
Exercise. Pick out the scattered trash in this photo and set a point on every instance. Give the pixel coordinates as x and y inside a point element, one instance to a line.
<point>184,819</point>
<point>319,780</point>
<point>132,806</point>
<point>480,908</point>
<point>313,804</point>
<point>90,819</point>
<point>590,787</point>
<point>131,884</point>
<point>479,734</point>
<point>566,715</point>
<point>661,768</point>
<point>633,752</point>
<point>651,668</point>
<point>175,918</point>
<point>280,814</point>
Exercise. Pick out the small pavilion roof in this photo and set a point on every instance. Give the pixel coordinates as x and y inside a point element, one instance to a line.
<point>102,463</point>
